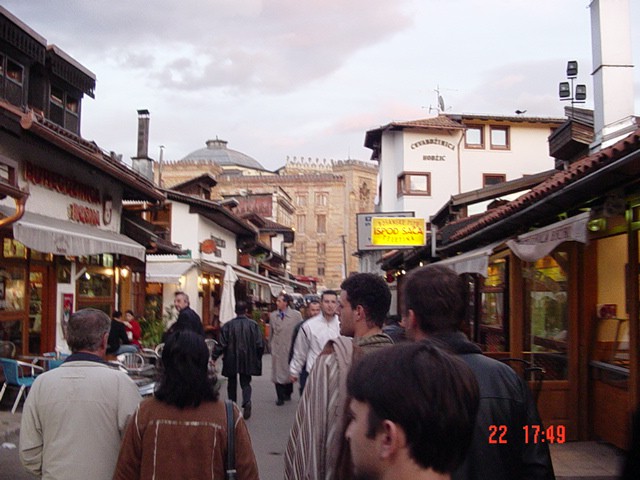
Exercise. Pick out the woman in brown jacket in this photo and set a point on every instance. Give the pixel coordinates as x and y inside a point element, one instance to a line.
<point>182,431</point>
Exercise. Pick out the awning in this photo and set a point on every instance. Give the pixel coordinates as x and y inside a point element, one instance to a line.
<point>250,276</point>
<point>294,283</point>
<point>475,261</point>
<point>539,243</point>
<point>167,271</point>
<point>51,235</point>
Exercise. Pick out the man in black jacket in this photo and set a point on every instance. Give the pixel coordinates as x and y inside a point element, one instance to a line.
<point>241,347</point>
<point>187,318</point>
<point>435,302</point>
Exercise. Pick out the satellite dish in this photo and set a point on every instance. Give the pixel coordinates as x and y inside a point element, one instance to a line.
<point>441,103</point>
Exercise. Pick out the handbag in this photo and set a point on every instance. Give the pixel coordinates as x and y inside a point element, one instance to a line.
<point>231,445</point>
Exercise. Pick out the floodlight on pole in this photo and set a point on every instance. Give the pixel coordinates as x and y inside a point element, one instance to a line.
<point>567,91</point>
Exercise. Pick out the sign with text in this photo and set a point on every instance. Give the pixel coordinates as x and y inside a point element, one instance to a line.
<point>398,232</point>
<point>364,222</point>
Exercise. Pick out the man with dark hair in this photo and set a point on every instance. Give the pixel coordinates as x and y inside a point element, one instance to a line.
<point>118,340</point>
<point>312,310</point>
<point>75,415</point>
<point>435,302</point>
<point>187,319</point>
<point>317,448</point>
<point>313,336</point>
<point>283,321</point>
<point>412,413</point>
<point>241,348</point>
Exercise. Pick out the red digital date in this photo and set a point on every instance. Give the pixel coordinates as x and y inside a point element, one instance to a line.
<point>533,434</point>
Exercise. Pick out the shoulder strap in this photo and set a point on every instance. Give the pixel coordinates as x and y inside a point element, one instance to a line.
<point>231,445</point>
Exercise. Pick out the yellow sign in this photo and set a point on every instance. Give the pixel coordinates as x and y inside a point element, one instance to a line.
<point>397,231</point>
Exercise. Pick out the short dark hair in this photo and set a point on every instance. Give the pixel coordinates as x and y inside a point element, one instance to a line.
<point>370,291</point>
<point>117,314</point>
<point>431,394</point>
<point>327,292</point>
<point>241,307</point>
<point>184,380</point>
<point>438,296</point>
<point>131,312</point>
<point>86,329</point>
<point>286,297</point>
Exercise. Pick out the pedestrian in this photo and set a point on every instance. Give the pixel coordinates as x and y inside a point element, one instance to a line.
<point>241,348</point>
<point>311,311</point>
<point>393,327</point>
<point>317,449</point>
<point>412,413</point>
<point>132,326</point>
<point>181,432</point>
<point>313,335</point>
<point>282,321</point>
<point>434,307</point>
<point>119,342</point>
<point>187,318</point>
<point>75,415</point>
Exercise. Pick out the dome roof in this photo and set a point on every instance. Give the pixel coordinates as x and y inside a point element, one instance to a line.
<point>218,153</point>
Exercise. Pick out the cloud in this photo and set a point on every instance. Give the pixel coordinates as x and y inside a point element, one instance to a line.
<point>273,46</point>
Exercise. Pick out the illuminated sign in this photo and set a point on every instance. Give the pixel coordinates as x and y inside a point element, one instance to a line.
<point>398,232</point>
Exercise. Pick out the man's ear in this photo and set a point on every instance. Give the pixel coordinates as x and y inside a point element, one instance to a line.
<point>391,439</point>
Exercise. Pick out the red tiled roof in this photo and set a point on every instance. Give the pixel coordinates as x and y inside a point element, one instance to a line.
<point>558,181</point>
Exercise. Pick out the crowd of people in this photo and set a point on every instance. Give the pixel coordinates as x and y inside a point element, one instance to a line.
<point>382,397</point>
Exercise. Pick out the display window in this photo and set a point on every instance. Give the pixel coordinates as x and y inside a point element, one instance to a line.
<point>493,327</point>
<point>546,313</point>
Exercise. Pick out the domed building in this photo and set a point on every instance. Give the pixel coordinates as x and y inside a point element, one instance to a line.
<point>318,198</point>
<point>215,159</point>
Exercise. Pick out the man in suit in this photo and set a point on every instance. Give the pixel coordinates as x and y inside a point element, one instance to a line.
<point>187,318</point>
<point>283,321</point>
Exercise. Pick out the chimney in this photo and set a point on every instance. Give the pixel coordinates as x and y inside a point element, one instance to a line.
<point>612,72</point>
<point>141,163</point>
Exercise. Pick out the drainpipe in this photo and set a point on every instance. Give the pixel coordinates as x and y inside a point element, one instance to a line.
<point>20,199</point>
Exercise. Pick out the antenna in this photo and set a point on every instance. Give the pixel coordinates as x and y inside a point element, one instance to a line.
<point>441,108</point>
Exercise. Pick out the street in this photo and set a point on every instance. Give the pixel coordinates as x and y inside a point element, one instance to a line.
<point>269,426</point>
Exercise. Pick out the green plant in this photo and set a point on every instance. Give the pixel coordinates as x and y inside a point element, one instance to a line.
<point>154,325</point>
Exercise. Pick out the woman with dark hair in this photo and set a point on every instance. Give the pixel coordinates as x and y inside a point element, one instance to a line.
<point>182,431</point>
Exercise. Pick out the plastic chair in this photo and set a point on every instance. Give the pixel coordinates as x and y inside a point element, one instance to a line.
<point>14,376</point>
<point>529,373</point>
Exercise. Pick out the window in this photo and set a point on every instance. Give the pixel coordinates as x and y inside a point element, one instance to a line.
<point>322,248</point>
<point>301,200</point>
<point>301,223</point>
<point>500,138</point>
<point>321,271</point>
<point>494,308</point>
<point>57,96</point>
<point>493,179</point>
<point>414,183</point>
<point>300,270</point>
<point>14,71</point>
<point>321,199</point>
<point>321,223</point>
<point>301,247</point>
<point>474,136</point>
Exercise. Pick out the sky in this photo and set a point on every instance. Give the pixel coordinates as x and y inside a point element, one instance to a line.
<point>308,78</point>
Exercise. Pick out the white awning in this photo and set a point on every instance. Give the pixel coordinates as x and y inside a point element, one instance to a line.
<point>475,261</point>
<point>539,243</point>
<point>250,276</point>
<point>51,235</point>
<point>167,271</point>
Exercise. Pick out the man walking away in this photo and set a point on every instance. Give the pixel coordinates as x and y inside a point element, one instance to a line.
<point>435,302</point>
<point>75,415</point>
<point>241,347</point>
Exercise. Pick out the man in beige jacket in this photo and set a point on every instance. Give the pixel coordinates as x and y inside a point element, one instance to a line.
<point>75,415</point>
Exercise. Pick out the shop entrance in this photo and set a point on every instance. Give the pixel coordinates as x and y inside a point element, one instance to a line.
<point>40,310</point>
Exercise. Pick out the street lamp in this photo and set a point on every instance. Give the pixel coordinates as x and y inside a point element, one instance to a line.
<point>567,90</point>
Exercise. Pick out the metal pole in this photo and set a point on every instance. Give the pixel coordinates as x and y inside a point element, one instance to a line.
<point>344,255</point>
<point>160,167</point>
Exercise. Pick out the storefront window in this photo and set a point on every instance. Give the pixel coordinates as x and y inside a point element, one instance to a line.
<point>12,289</point>
<point>13,249</point>
<point>546,316</point>
<point>492,330</point>
<point>95,289</point>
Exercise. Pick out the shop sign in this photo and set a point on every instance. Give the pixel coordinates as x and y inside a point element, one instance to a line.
<point>60,183</point>
<point>398,232</point>
<point>82,214</point>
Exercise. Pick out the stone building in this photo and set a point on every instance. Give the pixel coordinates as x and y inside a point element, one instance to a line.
<point>318,198</point>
